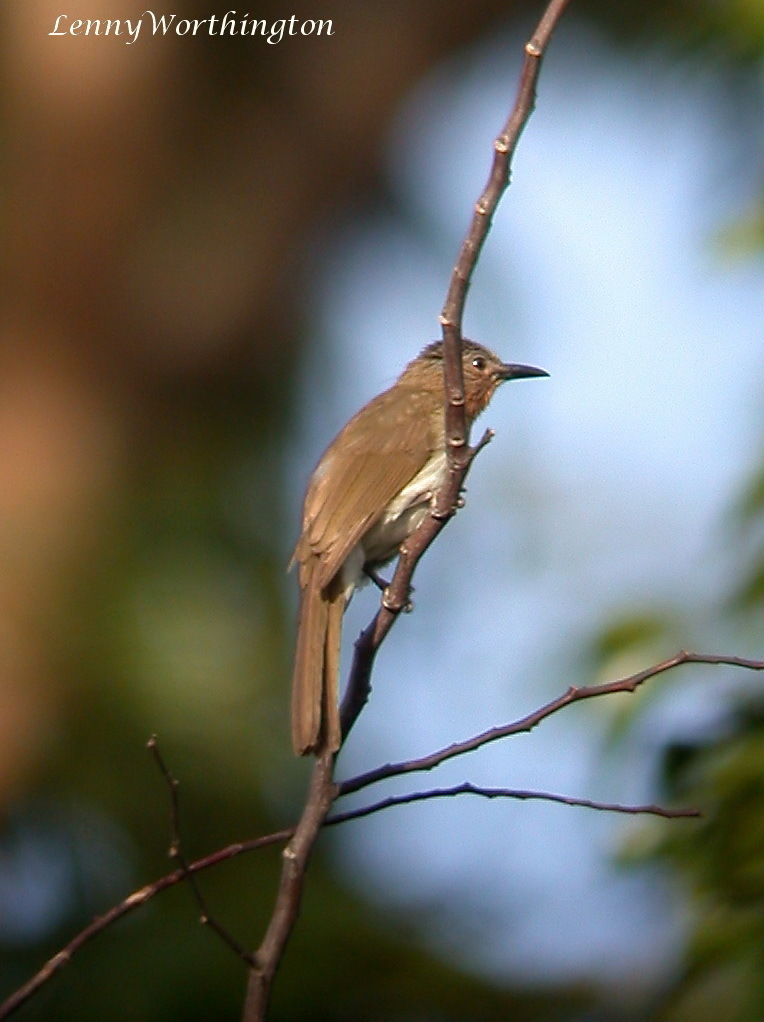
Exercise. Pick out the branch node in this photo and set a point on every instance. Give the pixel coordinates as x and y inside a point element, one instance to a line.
<point>484,441</point>
<point>393,604</point>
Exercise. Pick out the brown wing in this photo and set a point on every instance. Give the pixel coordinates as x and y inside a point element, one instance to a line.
<point>349,490</point>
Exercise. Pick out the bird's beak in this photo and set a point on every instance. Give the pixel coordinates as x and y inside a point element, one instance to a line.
<point>513,371</point>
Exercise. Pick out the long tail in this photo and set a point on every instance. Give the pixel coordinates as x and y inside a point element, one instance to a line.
<point>315,683</point>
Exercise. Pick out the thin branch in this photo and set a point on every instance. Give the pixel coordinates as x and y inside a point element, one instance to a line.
<point>295,856</point>
<point>511,793</point>
<point>176,855</point>
<point>149,891</point>
<point>129,904</point>
<point>321,796</point>
<point>572,695</point>
<point>140,897</point>
<point>459,454</point>
<point>453,310</point>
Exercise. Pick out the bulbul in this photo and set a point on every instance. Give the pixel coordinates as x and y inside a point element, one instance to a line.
<point>372,487</point>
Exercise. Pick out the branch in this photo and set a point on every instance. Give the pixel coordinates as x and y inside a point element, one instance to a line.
<point>150,891</point>
<point>514,793</point>
<point>459,454</point>
<point>396,596</point>
<point>453,310</point>
<point>175,853</point>
<point>295,858</point>
<point>572,695</point>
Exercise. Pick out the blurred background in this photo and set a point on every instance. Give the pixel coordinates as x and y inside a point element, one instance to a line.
<point>215,250</point>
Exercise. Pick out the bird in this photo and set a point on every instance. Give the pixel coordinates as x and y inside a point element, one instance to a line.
<point>371,489</point>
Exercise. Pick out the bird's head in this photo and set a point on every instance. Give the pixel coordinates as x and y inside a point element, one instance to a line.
<point>482,369</point>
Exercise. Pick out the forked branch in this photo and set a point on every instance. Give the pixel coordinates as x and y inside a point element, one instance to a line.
<point>147,893</point>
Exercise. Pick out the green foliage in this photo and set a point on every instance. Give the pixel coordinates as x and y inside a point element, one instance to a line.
<point>744,237</point>
<point>722,863</point>
<point>628,632</point>
<point>747,526</point>
<point>719,862</point>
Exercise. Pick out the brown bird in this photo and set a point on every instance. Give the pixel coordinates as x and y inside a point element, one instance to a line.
<point>371,489</point>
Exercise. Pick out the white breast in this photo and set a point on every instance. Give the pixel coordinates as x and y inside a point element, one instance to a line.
<point>420,490</point>
<point>405,512</point>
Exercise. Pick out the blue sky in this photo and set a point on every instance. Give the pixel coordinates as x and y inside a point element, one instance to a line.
<point>604,490</point>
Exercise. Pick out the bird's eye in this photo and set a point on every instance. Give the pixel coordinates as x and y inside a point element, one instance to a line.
<point>479,363</point>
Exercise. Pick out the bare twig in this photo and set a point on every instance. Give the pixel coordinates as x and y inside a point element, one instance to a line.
<point>175,853</point>
<point>149,891</point>
<point>321,796</point>
<point>512,793</point>
<point>572,695</point>
<point>452,314</point>
<point>460,455</point>
<point>129,904</point>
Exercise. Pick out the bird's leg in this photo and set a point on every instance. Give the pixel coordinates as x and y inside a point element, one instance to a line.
<point>376,578</point>
<point>383,586</point>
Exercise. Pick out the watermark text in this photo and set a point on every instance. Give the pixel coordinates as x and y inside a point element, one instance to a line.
<point>230,24</point>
